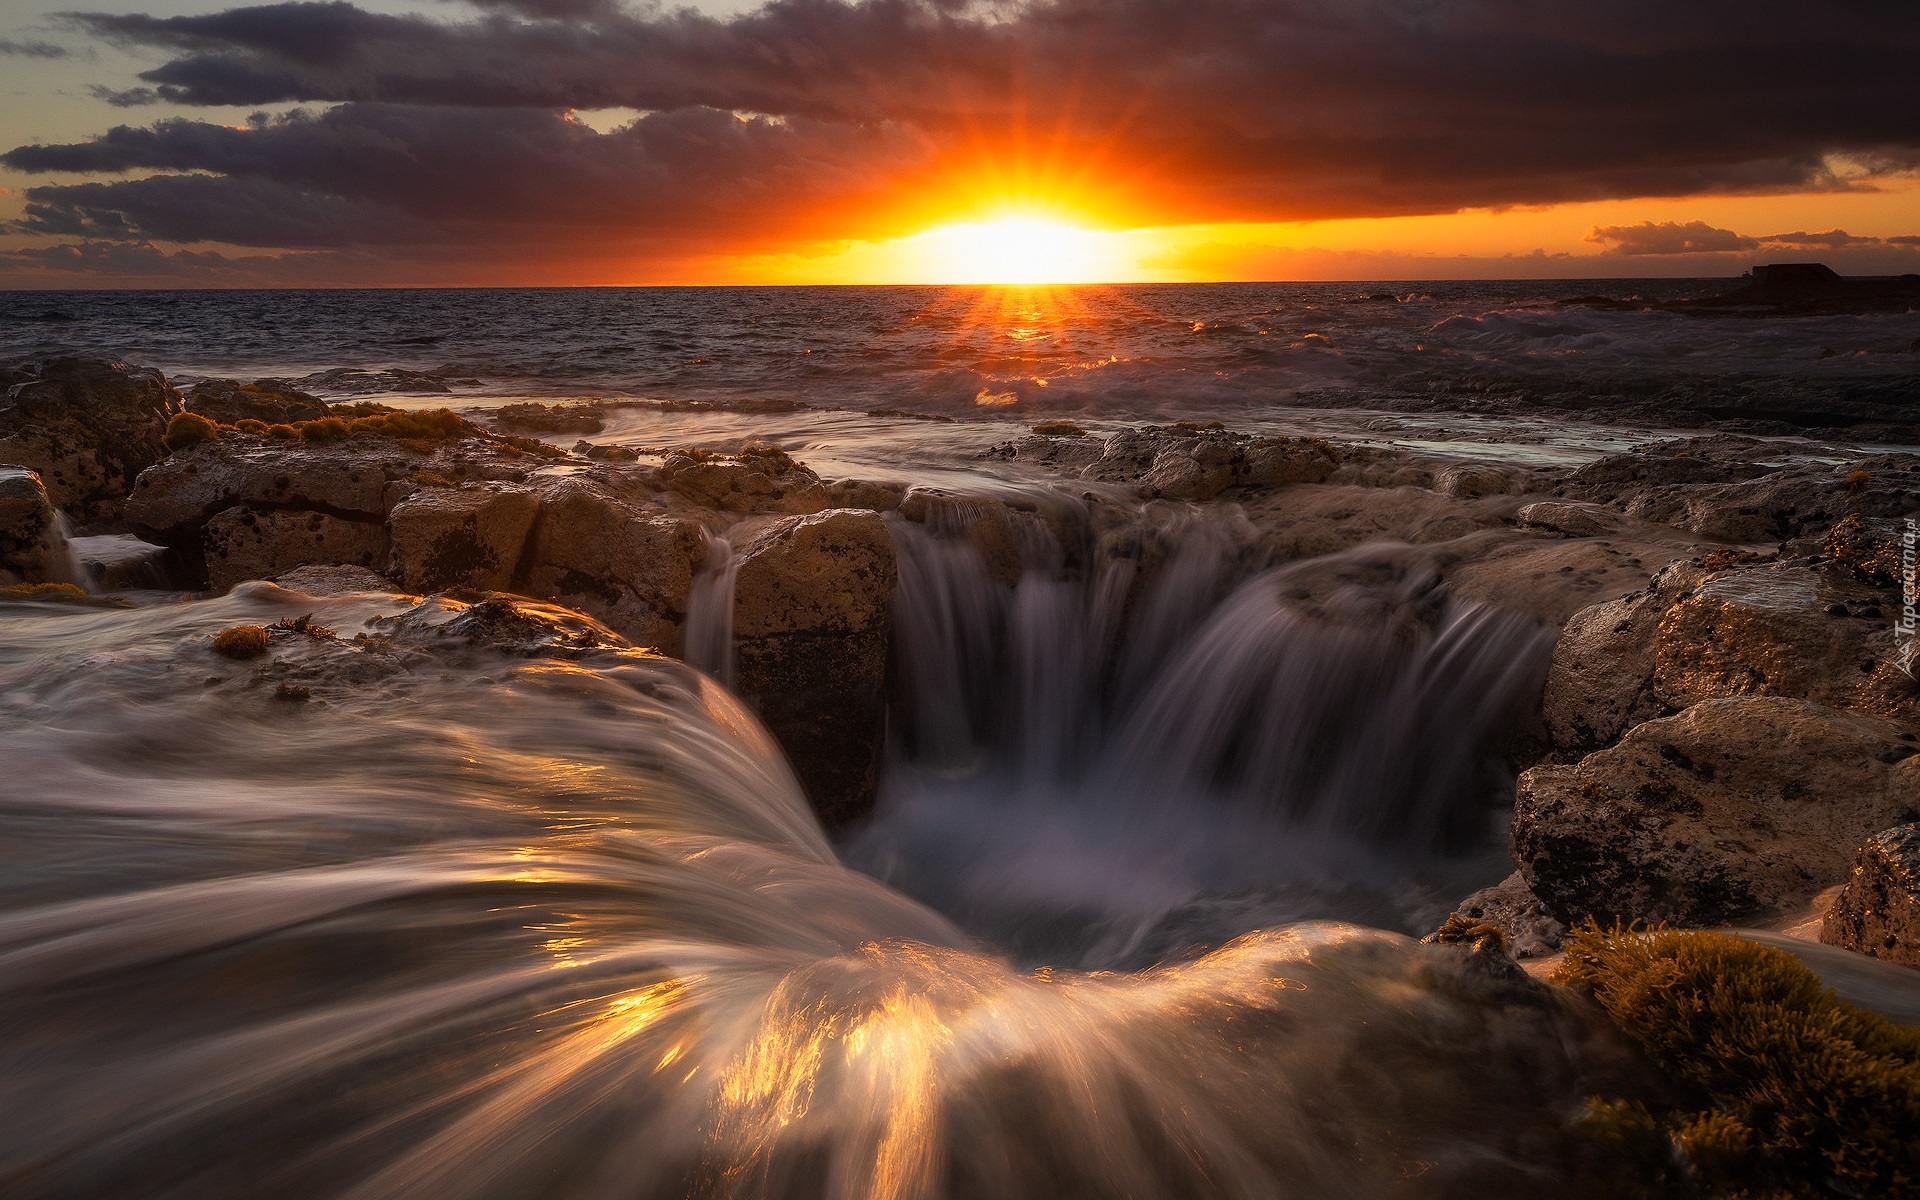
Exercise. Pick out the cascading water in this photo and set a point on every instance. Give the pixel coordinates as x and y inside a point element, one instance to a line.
<point>709,632</point>
<point>404,915</point>
<point>1114,736</point>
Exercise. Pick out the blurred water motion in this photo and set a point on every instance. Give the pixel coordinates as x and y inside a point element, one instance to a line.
<point>466,924</point>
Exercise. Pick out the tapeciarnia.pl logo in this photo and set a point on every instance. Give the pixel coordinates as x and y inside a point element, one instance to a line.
<point>1904,637</point>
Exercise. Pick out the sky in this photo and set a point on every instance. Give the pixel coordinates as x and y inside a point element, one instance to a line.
<point>594,142</point>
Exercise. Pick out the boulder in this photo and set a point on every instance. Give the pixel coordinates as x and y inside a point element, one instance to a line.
<point>174,499</point>
<point>1869,550</point>
<point>812,621</point>
<point>1468,481</point>
<point>1187,462</point>
<point>1529,930</point>
<point>88,427</point>
<point>1573,520</point>
<point>274,401</point>
<point>761,479</point>
<point>1731,809</point>
<point>1878,911</point>
<point>245,543</point>
<point>33,547</point>
<point>470,537</point>
<point>1785,629</point>
<point>634,571</point>
<point>332,580</point>
<point>1601,679</point>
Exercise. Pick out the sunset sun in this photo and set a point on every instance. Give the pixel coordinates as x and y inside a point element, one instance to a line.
<point>1019,250</point>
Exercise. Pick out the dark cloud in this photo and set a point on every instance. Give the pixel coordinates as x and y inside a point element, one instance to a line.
<point>128,98</point>
<point>451,132</point>
<point>13,49</point>
<point>1832,239</point>
<point>378,174</point>
<point>1669,237</point>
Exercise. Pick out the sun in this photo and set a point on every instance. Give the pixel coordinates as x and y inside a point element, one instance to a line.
<point>1019,250</point>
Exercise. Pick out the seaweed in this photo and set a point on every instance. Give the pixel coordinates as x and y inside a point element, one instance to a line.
<point>1790,1091</point>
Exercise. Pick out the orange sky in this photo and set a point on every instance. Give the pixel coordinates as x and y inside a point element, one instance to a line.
<point>556,142</point>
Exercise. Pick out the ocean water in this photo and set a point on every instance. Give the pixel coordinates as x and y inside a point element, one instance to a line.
<point>1114,350</point>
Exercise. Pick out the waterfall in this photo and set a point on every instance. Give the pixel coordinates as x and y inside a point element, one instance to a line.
<point>64,564</point>
<point>1103,721</point>
<point>457,923</point>
<point>709,634</point>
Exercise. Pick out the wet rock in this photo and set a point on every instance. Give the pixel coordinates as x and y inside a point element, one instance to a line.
<point>812,620</point>
<point>630,569</point>
<point>32,546</point>
<point>88,427</point>
<point>1878,911</point>
<point>1276,462</point>
<point>274,401</point>
<point>502,624</point>
<point>173,500</point>
<point>985,522</point>
<point>875,495</point>
<point>534,417</point>
<point>1530,931</point>
<point>469,537</point>
<point>760,479</point>
<point>244,543</point>
<point>1866,549</point>
<point>332,580</point>
<point>1188,462</point>
<point>1728,810</point>
<point>1601,678</point>
<point>1574,520</point>
<point>1768,630</point>
<point>1470,480</point>
<point>1747,491</point>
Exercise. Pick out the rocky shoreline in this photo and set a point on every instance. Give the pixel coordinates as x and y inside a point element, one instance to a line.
<point>1726,730</point>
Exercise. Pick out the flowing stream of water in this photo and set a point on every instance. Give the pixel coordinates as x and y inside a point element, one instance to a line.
<point>406,912</point>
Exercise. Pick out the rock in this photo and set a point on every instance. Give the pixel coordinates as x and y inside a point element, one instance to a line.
<point>1279,461</point>
<point>332,580</point>
<point>1728,810</point>
<point>1187,462</point>
<point>1739,489</point>
<point>1868,550</point>
<point>1470,480</point>
<point>33,548</point>
<point>88,427</point>
<point>598,554</point>
<point>244,543</point>
<point>1509,906</point>
<point>1601,679</point>
<point>812,621</point>
<point>173,500</point>
<point>274,401</point>
<point>875,495</point>
<point>1782,630</point>
<point>1878,912</point>
<point>469,537</point>
<point>760,479</point>
<point>1574,520</point>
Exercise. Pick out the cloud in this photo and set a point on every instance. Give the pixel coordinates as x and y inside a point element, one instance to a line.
<point>128,98</point>
<point>1832,239</point>
<point>404,175</point>
<point>813,115</point>
<point>13,49</point>
<point>1669,237</point>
